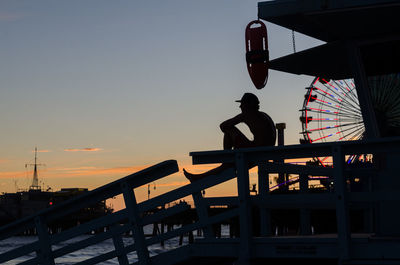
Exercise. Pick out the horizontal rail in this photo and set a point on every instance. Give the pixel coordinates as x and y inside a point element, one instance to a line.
<point>186,190</point>
<point>262,154</point>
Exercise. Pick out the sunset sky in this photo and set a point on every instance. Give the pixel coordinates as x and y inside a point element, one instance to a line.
<point>106,88</point>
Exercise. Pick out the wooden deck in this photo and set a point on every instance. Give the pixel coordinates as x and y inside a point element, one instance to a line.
<point>256,242</point>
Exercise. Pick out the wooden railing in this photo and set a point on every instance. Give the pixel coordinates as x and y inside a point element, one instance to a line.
<point>116,222</point>
<point>340,198</point>
<point>241,206</point>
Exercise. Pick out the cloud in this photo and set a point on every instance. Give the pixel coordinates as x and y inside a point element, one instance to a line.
<point>42,151</point>
<point>74,168</point>
<point>11,16</point>
<point>93,171</point>
<point>15,174</point>
<point>87,149</point>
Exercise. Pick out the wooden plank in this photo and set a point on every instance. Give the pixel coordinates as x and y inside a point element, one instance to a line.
<point>89,226</point>
<point>263,194</point>
<point>171,257</point>
<point>245,218</point>
<point>33,261</point>
<point>298,151</point>
<point>186,190</point>
<point>19,252</point>
<point>162,214</point>
<point>202,213</point>
<point>99,258</point>
<point>342,211</point>
<point>44,253</point>
<point>297,201</point>
<point>135,222</point>
<point>191,227</point>
<point>120,250</point>
<point>298,169</point>
<point>222,201</point>
<point>91,240</point>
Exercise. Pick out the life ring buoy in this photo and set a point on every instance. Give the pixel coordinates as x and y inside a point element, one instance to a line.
<point>257,54</point>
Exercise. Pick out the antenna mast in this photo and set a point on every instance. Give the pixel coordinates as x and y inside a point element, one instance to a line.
<point>35,180</point>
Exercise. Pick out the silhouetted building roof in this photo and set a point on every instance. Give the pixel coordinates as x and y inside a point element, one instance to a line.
<point>372,23</point>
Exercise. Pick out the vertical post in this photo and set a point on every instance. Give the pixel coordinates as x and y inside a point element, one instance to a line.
<point>263,191</point>
<point>202,212</point>
<point>134,220</point>
<point>45,253</point>
<point>342,212</point>
<point>281,141</point>
<point>305,226</point>
<point>244,208</point>
<point>363,92</point>
<point>119,248</point>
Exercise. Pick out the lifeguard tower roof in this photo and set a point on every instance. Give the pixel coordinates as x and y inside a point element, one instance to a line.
<point>373,24</point>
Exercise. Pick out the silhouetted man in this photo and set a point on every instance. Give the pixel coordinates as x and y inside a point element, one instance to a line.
<point>260,124</point>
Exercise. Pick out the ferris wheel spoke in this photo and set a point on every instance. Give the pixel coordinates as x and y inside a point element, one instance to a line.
<point>321,138</point>
<point>333,106</point>
<point>345,111</point>
<point>395,102</point>
<point>393,113</point>
<point>358,131</point>
<point>349,109</point>
<point>313,110</point>
<point>334,127</point>
<point>332,112</point>
<point>352,124</point>
<point>346,91</point>
<point>340,98</point>
<point>336,100</point>
<point>342,89</point>
<point>359,135</point>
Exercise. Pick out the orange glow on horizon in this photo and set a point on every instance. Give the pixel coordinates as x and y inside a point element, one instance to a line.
<point>88,149</point>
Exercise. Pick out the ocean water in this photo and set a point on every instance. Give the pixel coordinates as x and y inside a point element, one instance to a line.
<point>86,253</point>
<point>91,251</point>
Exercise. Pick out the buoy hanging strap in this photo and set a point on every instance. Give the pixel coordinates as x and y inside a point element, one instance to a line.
<point>257,56</point>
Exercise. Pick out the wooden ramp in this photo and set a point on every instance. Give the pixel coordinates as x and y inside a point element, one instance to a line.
<point>257,243</point>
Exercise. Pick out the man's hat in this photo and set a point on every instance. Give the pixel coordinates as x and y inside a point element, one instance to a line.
<point>249,98</point>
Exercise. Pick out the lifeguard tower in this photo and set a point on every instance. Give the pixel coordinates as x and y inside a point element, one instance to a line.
<point>362,40</point>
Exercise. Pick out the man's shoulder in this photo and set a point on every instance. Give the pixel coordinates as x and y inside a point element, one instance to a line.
<point>265,114</point>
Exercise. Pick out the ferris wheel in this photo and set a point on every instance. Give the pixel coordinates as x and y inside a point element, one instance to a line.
<point>331,110</point>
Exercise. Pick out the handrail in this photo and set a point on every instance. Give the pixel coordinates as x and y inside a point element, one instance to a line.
<point>39,221</point>
<point>262,154</point>
<point>110,190</point>
<point>124,186</point>
<point>132,219</point>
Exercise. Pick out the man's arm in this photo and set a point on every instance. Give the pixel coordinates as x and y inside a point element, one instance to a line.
<point>228,124</point>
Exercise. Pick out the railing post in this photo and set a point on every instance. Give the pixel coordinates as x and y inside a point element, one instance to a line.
<point>45,253</point>
<point>244,208</point>
<point>282,177</point>
<point>202,213</point>
<point>119,248</point>
<point>305,226</point>
<point>342,211</point>
<point>134,220</point>
<point>263,191</point>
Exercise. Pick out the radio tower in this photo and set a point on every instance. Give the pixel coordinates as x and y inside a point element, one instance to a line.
<point>35,182</point>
